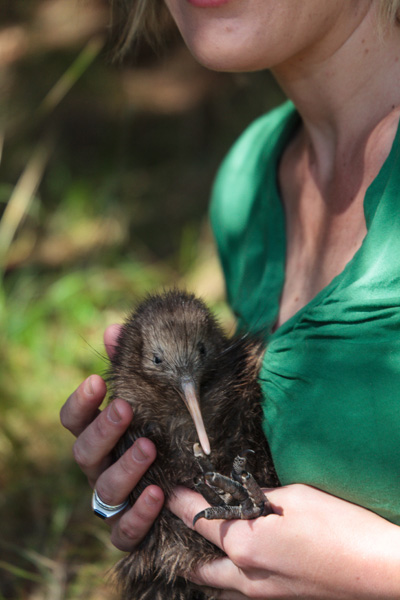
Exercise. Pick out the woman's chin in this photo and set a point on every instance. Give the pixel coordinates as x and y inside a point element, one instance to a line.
<point>230,60</point>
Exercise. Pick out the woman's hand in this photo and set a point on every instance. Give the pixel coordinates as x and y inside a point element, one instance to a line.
<point>97,434</point>
<point>316,547</point>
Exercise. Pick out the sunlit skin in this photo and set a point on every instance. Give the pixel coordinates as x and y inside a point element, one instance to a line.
<point>343,74</point>
<point>249,35</point>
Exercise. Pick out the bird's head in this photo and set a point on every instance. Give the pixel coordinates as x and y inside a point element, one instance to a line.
<point>180,342</point>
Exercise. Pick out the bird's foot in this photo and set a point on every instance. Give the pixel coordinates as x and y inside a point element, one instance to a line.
<point>235,497</point>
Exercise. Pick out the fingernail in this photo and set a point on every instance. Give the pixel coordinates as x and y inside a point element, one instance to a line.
<point>152,500</point>
<point>113,413</point>
<point>88,387</point>
<point>138,452</point>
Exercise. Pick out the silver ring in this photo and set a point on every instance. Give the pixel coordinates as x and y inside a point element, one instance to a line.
<point>105,511</point>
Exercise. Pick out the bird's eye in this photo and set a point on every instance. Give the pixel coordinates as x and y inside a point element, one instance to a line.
<point>157,360</point>
<point>202,349</point>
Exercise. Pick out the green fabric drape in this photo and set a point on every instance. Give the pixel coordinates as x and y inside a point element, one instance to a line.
<point>331,373</point>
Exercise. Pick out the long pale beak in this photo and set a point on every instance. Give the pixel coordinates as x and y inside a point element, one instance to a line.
<point>194,409</point>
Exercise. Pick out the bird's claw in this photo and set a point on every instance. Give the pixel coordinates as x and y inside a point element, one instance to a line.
<point>235,497</point>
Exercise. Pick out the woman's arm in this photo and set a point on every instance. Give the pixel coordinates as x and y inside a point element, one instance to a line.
<point>316,547</point>
<point>97,433</point>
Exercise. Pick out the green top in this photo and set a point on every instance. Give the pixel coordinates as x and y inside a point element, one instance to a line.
<point>331,373</point>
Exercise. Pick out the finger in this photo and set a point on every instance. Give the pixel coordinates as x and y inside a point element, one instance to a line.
<point>223,576</point>
<point>185,504</point>
<point>92,448</point>
<point>116,483</point>
<point>82,407</point>
<point>110,338</point>
<point>130,529</point>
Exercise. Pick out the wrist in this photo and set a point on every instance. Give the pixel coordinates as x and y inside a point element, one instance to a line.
<point>378,574</point>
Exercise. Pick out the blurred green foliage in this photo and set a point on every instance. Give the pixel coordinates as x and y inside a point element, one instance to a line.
<point>104,184</point>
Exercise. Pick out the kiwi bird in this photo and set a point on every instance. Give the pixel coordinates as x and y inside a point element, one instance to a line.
<point>195,394</point>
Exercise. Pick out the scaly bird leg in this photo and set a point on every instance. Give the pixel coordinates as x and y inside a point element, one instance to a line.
<point>225,485</point>
<point>202,459</point>
<point>240,474</point>
<point>219,512</point>
<point>243,491</point>
<point>208,493</point>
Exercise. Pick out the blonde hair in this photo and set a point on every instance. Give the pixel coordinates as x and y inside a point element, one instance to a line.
<point>133,20</point>
<point>148,19</point>
<point>389,12</point>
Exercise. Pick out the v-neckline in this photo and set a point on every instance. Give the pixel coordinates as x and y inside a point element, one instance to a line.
<point>370,204</point>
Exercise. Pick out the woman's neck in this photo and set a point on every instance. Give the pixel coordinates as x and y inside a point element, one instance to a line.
<point>347,91</point>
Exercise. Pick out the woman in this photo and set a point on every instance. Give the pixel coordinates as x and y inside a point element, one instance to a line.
<point>306,221</point>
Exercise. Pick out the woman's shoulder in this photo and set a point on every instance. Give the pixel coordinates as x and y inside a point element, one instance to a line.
<point>257,142</point>
<point>249,166</point>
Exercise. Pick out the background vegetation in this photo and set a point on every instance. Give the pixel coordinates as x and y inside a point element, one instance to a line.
<point>104,182</point>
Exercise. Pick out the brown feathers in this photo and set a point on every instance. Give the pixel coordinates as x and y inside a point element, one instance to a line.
<point>171,352</point>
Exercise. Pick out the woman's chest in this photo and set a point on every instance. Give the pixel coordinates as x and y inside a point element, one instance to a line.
<point>322,236</point>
